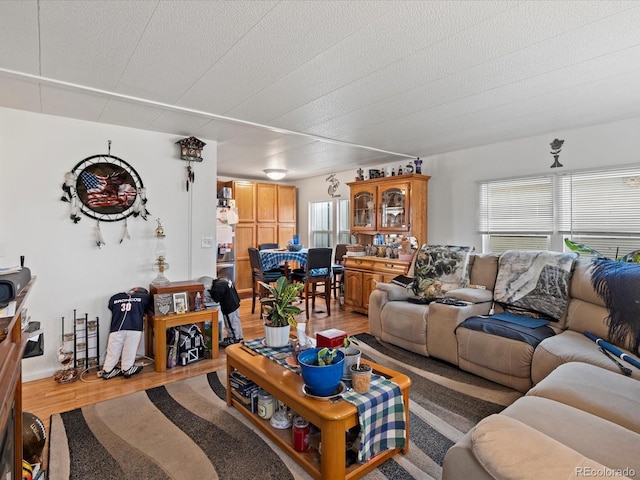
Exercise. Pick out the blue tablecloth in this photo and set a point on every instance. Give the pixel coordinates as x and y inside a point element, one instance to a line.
<point>272,259</point>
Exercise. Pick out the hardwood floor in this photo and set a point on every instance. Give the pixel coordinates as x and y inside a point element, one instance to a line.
<point>46,397</point>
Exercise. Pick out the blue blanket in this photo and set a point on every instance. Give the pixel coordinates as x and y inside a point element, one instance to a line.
<point>618,284</point>
<point>523,320</point>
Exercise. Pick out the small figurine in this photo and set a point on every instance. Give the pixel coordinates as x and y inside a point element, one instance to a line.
<point>418,163</point>
<point>360,174</point>
<point>400,170</point>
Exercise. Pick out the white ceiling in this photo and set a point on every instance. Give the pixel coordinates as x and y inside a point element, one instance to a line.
<point>323,86</point>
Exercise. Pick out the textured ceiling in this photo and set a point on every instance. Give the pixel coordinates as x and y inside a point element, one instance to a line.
<point>318,86</point>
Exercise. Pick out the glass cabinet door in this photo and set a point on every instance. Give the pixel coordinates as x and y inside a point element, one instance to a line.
<point>363,208</point>
<point>394,205</point>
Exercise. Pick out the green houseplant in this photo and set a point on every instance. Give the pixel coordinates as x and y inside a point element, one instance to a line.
<point>352,355</point>
<point>279,313</point>
<point>632,257</point>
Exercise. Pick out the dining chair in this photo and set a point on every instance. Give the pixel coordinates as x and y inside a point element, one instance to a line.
<point>268,246</point>
<point>337,268</point>
<point>260,275</point>
<point>317,272</point>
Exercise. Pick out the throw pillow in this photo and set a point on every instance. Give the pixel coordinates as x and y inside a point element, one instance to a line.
<point>440,268</point>
<point>534,281</point>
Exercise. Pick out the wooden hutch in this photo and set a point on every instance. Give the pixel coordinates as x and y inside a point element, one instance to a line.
<point>383,206</point>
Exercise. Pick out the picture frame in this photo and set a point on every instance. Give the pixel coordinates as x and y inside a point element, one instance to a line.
<point>180,302</point>
<point>374,173</point>
<point>163,304</point>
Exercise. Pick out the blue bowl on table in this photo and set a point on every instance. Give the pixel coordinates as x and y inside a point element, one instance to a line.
<point>294,247</point>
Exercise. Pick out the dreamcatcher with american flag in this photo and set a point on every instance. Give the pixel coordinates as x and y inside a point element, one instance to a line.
<point>106,189</point>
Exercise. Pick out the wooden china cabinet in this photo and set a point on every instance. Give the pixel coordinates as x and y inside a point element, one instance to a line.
<point>387,206</point>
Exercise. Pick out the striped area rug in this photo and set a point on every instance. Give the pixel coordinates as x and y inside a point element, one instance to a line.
<point>185,430</point>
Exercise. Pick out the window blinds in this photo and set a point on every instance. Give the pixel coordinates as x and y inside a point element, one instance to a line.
<point>517,206</point>
<point>600,203</point>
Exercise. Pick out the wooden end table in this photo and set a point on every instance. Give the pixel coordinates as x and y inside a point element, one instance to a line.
<point>333,418</point>
<point>156,337</point>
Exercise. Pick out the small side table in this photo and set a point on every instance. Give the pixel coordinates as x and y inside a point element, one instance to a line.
<point>156,344</point>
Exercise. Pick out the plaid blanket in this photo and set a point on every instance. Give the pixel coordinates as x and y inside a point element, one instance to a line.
<point>273,353</point>
<point>382,417</point>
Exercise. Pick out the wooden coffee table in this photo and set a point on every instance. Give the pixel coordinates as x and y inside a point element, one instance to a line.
<point>333,418</point>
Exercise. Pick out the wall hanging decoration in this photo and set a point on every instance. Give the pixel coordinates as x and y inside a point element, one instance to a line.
<point>556,147</point>
<point>190,151</point>
<point>334,184</point>
<point>106,189</point>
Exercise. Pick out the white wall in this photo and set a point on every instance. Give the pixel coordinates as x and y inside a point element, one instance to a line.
<point>454,175</point>
<point>72,273</point>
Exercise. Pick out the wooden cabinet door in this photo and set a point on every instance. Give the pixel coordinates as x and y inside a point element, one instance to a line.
<point>353,289</point>
<point>393,207</point>
<point>244,194</point>
<point>266,233</point>
<point>363,208</point>
<point>266,202</point>
<point>369,281</point>
<point>286,204</point>
<point>285,233</point>
<point>245,238</point>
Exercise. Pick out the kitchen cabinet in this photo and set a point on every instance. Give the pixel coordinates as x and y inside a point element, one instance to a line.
<point>245,238</point>
<point>244,194</point>
<point>267,202</point>
<point>266,214</point>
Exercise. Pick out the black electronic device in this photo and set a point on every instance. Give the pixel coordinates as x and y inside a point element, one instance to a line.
<point>11,284</point>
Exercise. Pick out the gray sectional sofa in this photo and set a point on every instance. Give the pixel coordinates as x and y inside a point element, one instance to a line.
<point>579,416</point>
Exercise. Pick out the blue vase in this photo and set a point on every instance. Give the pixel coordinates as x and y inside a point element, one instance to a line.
<point>321,381</point>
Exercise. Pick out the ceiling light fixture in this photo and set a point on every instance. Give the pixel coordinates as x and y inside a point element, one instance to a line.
<point>276,173</point>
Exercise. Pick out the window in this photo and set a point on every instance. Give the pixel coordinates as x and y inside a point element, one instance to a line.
<point>329,223</point>
<point>516,214</point>
<point>601,209</point>
<point>595,208</point>
<point>344,222</point>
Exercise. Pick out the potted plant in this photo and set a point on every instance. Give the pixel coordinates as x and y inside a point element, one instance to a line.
<point>632,257</point>
<point>352,355</point>
<point>279,313</point>
<point>321,370</point>
<point>361,377</point>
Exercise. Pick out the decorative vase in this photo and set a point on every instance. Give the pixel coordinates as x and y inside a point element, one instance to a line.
<point>321,381</point>
<point>276,336</point>
<point>351,356</point>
